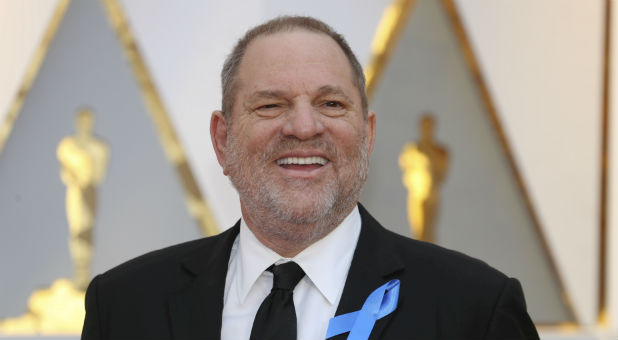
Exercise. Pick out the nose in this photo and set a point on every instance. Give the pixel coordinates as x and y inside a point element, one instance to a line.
<point>303,122</point>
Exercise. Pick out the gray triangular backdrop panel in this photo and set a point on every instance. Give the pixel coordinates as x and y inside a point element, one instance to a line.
<point>483,212</point>
<point>140,203</point>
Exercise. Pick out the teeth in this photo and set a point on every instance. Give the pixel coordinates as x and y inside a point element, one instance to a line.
<point>302,160</point>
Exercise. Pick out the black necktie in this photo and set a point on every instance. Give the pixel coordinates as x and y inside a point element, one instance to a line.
<point>276,318</point>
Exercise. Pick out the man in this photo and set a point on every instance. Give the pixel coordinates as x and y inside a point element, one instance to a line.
<point>294,136</point>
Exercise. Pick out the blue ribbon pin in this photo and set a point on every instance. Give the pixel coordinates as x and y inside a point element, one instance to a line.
<point>380,303</point>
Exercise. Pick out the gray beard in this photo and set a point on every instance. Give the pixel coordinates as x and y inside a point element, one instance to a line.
<point>273,207</point>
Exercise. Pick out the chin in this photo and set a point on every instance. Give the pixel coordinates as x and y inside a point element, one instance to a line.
<point>308,213</point>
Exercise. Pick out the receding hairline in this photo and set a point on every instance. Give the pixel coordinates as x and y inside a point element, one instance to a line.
<point>323,88</point>
<point>287,24</point>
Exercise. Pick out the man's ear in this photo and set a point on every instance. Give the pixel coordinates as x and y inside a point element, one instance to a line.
<point>370,131</point>
<point>218,135</point>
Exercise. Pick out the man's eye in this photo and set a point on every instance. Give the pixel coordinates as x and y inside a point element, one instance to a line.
<point>333,104</point>
<point>267,106</point>
<point>269,110</point>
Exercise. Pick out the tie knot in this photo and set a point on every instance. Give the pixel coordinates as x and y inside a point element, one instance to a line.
<point>287,275</point>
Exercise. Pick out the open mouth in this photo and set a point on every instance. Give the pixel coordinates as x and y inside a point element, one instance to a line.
<point>302,163</point>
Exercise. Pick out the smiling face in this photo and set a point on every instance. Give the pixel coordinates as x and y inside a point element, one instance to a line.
<point>297,145</point>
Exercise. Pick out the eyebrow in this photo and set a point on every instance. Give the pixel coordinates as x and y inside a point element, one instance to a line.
<point>336,90</point>
<point>278,94</point>
<point>274,94</point>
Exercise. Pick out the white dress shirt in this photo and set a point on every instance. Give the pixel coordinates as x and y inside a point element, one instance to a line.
<point>316,296</point>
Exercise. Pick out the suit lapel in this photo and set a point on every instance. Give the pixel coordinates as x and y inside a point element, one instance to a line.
<point>373,265</point>
<point>195,311</point>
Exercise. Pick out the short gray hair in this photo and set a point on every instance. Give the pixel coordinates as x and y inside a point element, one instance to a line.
<point>284,24</point>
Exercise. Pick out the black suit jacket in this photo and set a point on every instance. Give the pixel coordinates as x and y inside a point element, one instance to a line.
<point>177,292</point>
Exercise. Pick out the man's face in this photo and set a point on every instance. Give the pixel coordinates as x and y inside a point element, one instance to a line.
<point>297,146</point>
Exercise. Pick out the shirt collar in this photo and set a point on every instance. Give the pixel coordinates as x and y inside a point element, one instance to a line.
<point>325,262</point>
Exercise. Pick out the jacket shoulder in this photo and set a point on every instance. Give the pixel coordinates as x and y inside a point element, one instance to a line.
<point>461,296</point>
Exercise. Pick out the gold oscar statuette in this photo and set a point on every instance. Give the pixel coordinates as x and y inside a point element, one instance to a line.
<point>424,165</point>
<point>83,161</point>
<point>59,309</point>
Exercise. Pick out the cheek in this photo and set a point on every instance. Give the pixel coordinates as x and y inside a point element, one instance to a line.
<point>347,135</point>
<point>255,137</point>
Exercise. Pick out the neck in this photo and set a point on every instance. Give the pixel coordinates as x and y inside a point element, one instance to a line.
<point>289,239</point>
<point>280,246</point>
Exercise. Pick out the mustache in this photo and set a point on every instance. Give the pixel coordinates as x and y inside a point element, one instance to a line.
<point>291,143</point>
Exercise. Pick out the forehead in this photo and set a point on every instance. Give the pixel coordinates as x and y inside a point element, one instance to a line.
<point>295,60</point>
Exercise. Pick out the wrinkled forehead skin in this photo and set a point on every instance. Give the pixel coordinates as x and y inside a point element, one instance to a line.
<point>293,59</point>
